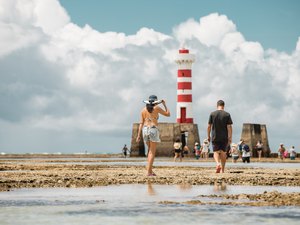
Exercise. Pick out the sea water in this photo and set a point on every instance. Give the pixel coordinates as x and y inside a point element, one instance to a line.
<point>143,162</point>
<point>138,204</point>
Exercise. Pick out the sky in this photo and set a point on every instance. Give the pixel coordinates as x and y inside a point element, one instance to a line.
<point>74,73</point>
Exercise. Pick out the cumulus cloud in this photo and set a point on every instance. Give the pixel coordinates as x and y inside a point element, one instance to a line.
<point>298,45</point>
<point>210,30</point>
<point>74,87</point>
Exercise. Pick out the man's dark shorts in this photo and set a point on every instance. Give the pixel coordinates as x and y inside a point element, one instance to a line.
<point>219,146</point>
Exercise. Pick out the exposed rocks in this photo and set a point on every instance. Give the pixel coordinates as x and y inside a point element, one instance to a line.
<point>35,173</point>
<point>273,198</point>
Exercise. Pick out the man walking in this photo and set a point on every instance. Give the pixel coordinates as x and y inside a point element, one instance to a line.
<point>220,126</point>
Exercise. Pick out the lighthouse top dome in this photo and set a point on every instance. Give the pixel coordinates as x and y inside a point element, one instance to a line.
<point>184,57</point>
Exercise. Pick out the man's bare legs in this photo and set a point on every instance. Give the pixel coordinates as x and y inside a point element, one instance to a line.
<point>223,160</point>
<point>220,158</point>
<point>151,155</point>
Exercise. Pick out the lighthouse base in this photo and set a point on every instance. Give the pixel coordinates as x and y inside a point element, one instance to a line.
<point>169,132</point>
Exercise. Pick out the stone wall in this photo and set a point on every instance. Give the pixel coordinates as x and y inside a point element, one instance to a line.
<point>252,133</point>
<point>168,134</point>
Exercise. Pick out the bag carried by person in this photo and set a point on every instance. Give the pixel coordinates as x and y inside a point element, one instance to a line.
<point>246,148</point>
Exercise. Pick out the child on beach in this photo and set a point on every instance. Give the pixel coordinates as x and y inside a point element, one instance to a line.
<point>286,154</point>
<point>205,149</point>
<point>235,153</point>
<point>197,150</point>
<point>177,149</point>
<point>292,153</point>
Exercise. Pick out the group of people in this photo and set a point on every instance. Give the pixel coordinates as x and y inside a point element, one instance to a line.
<point>284,153</point>
<point>202,151</point>
<point>240,150</point>
<point>199,151</point>
<point>219,133</point>
<point>179,151</point>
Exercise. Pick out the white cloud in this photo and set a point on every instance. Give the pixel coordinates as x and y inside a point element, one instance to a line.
<point>13,37</point>
<point>49,15</point>
<point>231,43</point>
<point>210,30</point>
<point>252,51</point>
<point>213,28</point>
<point>298,45</point>
<point>77,81</point>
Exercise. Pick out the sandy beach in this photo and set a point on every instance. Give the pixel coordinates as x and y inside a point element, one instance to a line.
<point>73,173</point>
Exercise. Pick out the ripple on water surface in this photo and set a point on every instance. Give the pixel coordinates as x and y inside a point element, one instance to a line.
<point>136,204</point>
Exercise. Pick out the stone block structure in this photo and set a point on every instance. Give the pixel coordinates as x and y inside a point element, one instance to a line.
<point>252,133</point>
<point>188,133</point>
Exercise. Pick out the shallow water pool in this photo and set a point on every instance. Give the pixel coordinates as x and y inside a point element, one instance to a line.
<point>168,162</point>
<point>138,204</point>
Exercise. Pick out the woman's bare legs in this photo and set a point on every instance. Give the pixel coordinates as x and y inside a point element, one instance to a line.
<point>151,155</point>
<point>176,156</point>
<point>259,155</point>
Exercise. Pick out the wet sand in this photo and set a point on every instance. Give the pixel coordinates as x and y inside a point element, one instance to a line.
<point>41,173</point>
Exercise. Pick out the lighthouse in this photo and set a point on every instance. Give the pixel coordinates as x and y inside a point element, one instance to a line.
<point>184,109</point>
<point>184,127</point>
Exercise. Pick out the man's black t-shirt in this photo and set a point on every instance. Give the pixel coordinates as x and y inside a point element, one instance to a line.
<point>219,120</point>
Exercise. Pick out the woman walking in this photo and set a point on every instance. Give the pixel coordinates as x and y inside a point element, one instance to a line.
<point>148,125</point>
<point>259,147</point>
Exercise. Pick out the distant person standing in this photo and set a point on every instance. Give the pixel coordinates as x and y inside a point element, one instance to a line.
<point>148,125</point>
<point>124,150</point>
<point>205,149</point>
<point>235,153</point>
<point>197,150</point>
<point>177,149</point>
<point>286,154</point>
<point>259,148</point>
<point>185,151</point>
<point>220,126</point>
<point>246,154</point>
<point>281,151</point>
<point>292,153</point>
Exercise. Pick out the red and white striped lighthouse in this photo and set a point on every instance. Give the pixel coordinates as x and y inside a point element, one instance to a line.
<point>184,86</point>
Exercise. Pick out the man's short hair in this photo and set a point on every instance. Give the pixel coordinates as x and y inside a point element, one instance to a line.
<point>220,103</point>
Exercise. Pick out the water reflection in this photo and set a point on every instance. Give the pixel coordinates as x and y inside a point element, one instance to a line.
<point>220,186</point>
<point>185,187</point>
<point>181,187</point>
<point>142,162</point>
<point>150,189</point>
